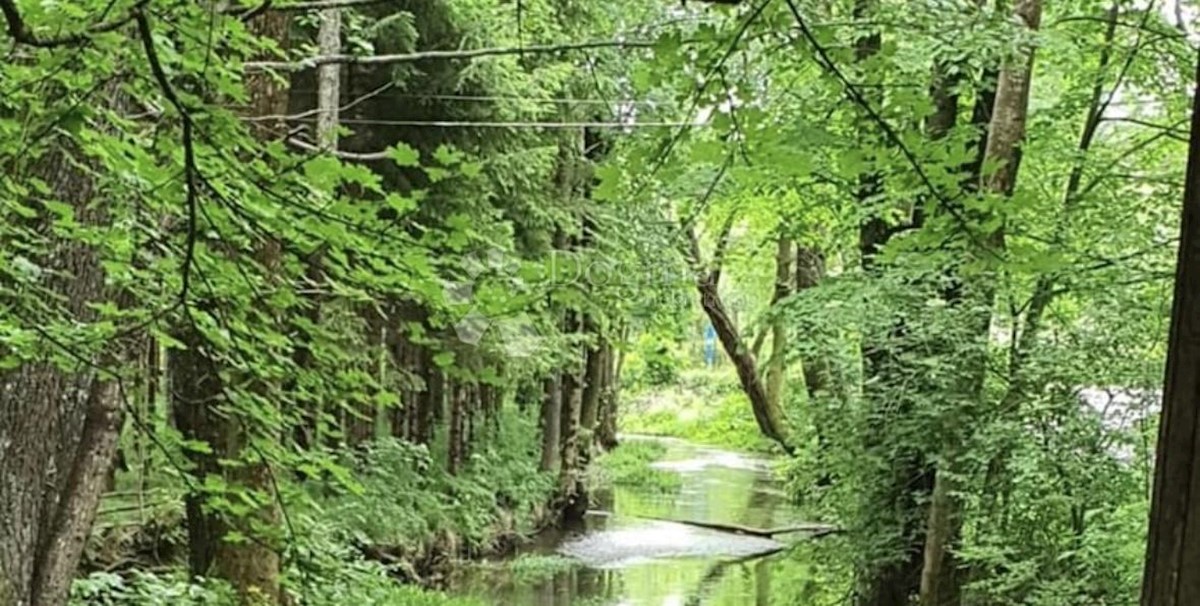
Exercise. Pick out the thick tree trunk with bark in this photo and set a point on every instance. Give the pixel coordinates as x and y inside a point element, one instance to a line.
<point>203,412</point>
<point>59,424</point>
<point>593,390</point>
<point>571,493</point>
<point>1173,556</point>
<point>818,370</point>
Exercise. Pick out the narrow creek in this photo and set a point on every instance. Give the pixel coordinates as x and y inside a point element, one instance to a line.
<point>628,558</point>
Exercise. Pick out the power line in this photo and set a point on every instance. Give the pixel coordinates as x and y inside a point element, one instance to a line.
<point>512,124</point>
<point>313,62</point>
<point>516,98</point>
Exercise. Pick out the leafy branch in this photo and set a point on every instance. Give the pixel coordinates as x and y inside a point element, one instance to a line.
<point>20,32</point>
<point>191,172</point>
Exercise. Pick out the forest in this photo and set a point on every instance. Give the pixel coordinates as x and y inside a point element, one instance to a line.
<point>557,302</point>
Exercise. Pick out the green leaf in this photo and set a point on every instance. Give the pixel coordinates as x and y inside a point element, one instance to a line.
<point>405,155</point>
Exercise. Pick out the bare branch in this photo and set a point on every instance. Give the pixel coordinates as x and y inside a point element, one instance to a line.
<point>313,62</point>
<point>1173,132</point>
<point>317,5</point>
<point>345,155</point>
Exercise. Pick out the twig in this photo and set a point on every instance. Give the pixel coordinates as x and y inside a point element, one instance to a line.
<point>473,53</point>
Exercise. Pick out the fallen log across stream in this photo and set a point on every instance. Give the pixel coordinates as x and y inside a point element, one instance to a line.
<point>814,529</point>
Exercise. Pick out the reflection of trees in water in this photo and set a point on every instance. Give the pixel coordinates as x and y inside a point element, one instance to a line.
<point>762,503</point>
<point>755,569</point>
<point>762,582</point>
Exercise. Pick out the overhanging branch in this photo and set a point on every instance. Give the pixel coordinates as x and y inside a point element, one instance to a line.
<point>19,31</point>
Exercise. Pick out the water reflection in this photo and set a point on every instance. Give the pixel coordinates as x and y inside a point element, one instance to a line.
<point>630,559</point>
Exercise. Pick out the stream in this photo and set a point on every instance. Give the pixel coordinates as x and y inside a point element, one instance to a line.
<point>628,559</point>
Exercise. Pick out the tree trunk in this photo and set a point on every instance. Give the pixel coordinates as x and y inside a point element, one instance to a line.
<point>1173,554</point>
<point>458,427</point>
<point>769,416</point>
<point>783,288</point>
<point>606,430</point>
<point>571,493</point>
<point>551,421</point>
<point>251,566</point>
<point>437,397</point>
<point>818,369</point>
<point>59,425</point>
<point>593,390</point>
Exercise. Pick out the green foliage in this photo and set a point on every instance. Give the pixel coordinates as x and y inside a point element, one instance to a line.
<point>404,497</point>
<point>653,360</point>
<point>531,568</point>
<point>148,589</point>
<point>353,582</point>
<point>707,407</point>
<point>629,465</point>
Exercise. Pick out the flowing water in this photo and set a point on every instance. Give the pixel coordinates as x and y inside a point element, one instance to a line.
<point>628,557</point>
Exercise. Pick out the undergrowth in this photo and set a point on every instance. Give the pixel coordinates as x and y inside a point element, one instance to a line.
<point>401,505</point>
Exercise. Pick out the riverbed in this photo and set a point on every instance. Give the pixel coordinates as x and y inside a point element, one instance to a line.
<point>626,555</point>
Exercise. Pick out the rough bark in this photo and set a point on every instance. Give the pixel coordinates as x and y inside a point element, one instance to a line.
<point>571,494</point>
<point>58,425</point>
<point>1173,554</point>
<point>1007,128</point>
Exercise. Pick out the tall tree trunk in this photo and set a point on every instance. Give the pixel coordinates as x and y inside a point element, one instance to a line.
<point>1173,554</point>
<point>458,427</point>
<point>606,430</point>
<point>767,414</point>
<point>328,101</point>
<point>202,413</point>
<point>59,423</point>
<point>783,288</point>
<point>1006,133</point>
<point>551,421</point>
<point>818,369</point>
<point>571,494</point>
<point>593,390</point>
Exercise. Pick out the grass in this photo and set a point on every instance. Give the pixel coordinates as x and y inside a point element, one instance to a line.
<point>706,407</point>
<point>629,465</point>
